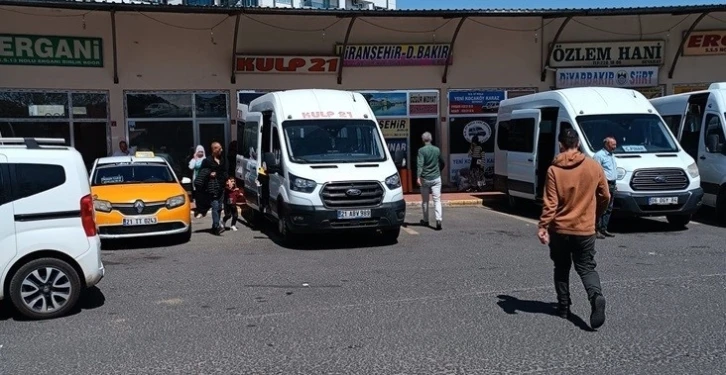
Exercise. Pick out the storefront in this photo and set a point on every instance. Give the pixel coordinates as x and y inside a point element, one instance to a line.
<point>173,123</point>
<point>79,117</point>
<point>472,123</point>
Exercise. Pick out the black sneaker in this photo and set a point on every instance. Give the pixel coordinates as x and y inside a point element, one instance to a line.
<point>563,311</point>
<point>424,223</point>
<point>597,318</point>
<point>607,234</point>
<point>438,224</point>
<point>600,236</point>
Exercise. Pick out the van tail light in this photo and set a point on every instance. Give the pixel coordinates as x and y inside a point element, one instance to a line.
<point>88,216</point>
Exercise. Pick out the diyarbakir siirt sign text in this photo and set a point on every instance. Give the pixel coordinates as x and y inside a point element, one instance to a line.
<point>51,50</point>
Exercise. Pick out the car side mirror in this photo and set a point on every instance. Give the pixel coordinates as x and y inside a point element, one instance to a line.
<point>186,182</point>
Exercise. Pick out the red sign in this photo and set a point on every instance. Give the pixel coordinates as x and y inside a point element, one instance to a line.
<point>706,43</point>
<point>327,114</point>
<point>287,64</point>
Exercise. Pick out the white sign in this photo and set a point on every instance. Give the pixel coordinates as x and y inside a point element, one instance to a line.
<point>608,77</point>
<point>604,54</point>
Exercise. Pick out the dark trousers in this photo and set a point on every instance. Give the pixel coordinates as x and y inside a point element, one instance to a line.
<point>604,220</point>
<point>230,210</point>
<point>580,250</point>
<point>217,207</point>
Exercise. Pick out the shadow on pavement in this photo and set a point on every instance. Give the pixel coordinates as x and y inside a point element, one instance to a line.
<point>707,215</point>
<point>629,225</point>
<point>91,298</point>
<point>512,305</point>
<point>142,242</point>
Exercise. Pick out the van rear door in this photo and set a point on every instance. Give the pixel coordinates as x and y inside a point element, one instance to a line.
<point>522,153</point>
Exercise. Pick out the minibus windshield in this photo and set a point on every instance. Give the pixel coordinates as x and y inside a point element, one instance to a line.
<point>634,133</point>
<point>333,141</point>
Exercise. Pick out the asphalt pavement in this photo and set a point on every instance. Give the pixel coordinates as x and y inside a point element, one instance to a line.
<point>475,298</point>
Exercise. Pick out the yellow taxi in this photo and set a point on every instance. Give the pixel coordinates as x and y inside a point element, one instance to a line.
<point>138,196</point>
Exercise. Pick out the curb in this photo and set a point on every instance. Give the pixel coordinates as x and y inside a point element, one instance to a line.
<point>452,203</point>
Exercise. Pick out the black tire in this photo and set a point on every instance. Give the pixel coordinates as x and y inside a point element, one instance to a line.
<point>41,265</point>
<point>391,235</point>
<point>283,229</point>
<point>679,221</point>
<point>186,236</point>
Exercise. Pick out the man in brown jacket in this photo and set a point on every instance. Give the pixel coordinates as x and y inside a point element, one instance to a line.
<point>576,192</point>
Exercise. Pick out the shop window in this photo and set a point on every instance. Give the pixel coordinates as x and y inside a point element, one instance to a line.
<point>89,138</point>
<point>714,135</point>
<point>89,105</point>
<point>22,104</point>
<point>521,135</point>
<point>211,105</point>
<point>39,129</point>
<point>173,140</point>
<point>159,105</point>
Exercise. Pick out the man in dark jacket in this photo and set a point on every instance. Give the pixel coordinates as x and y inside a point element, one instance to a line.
<point>211,179</point>
<point>576,192</point>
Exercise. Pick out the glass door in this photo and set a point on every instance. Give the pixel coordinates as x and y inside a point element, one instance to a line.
<point>212,131</point>
<point>170,139</point>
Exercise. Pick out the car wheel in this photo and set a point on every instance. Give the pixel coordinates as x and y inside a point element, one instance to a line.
<point>45,288</point>
<point>391,235</point>
<point>679,221</point>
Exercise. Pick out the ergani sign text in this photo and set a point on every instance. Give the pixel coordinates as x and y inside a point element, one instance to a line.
<point>394,54</point>
<point>287,64</point>
<point>571,55</point>
<point>705,43</point>
<point>612,77</point>
<point>51,50</point>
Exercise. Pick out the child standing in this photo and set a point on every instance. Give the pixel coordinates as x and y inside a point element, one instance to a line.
<point>230,203</point>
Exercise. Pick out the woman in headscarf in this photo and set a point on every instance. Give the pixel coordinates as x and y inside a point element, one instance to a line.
<point>195,164</point>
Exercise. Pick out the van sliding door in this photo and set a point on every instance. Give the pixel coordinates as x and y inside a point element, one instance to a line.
<point>522,153</point>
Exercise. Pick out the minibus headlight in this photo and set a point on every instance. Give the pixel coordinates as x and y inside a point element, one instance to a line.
<point>693,170</point>
<point>621,173</point>
<point>102,206</point>
<point>393,182</point>
<point>302,185</point>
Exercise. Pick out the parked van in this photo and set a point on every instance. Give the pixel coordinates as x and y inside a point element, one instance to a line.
<point>698,119</point>
<point>328,167</point>
<point>655,177</point>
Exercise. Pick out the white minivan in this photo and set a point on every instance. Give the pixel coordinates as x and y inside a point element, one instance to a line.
<point>655,176</point>
<point>328,166</point>
<point>698,119</point>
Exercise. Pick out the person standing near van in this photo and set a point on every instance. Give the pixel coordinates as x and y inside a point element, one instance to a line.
<point>211,180</point>
<point>575,192</point>
<point>195,164</point>
<point>430,164</point>
<point>607,161</point>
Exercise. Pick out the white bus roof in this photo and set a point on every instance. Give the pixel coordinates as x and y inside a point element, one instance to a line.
<point>716,87</point>
<point>587,100</point>
<point>314,104</point>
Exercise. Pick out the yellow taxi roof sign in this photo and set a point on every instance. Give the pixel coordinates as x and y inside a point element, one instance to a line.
<point>144,154</point>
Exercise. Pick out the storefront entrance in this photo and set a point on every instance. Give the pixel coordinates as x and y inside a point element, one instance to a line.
<point>79,117</point>
<point>172,124</point>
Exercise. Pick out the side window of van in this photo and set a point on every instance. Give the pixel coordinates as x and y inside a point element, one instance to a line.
<point>249,141</point>
<point>32,179</point>
<point>521,135</point>
<point>503,135</point>
<point>674,123</point>
<point>714,135</point>
<point>241,137</point>
<point>276,147</point>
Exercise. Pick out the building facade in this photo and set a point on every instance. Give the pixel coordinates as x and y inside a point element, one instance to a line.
<point>173,80</point>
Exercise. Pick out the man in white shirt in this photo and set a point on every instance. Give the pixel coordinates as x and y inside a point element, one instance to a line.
<point>123,149</point>
<point>607,161</point>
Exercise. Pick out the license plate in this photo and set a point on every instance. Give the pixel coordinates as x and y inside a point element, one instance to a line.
<point>353,214</point>
<point>133,221</point>
<point>663,200</point>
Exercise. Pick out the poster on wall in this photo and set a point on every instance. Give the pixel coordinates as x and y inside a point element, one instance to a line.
<point>396,145</point>
<point>690,87</point>
<point>469,136</point>
<point>423,103</point>
<point>387,103</point>
<point>652,92</point>
<point>394,128</point>
<point>467,102</point>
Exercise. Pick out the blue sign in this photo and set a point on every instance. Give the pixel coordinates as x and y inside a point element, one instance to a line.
<point>397,144</point>
<point>467,102</point>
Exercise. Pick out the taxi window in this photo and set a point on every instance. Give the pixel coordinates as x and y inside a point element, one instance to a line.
<point>132,174</point>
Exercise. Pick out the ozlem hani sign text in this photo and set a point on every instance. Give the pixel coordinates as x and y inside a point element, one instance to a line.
<point>639,53</point>
<point>50,50</point>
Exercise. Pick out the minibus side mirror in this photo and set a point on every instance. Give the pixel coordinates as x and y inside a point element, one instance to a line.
<point>399,158</point>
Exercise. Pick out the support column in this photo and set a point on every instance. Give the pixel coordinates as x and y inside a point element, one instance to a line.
<point>445,76</point>
<point>113,47</point>
<point>683,43</point>
<point>543,76</point>
<point>233,77</point>
<point>342,50</point>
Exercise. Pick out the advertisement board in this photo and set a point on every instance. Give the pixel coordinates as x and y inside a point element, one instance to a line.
<point>248,64</point>
<point>468,102</point>
<point>358,55</point>
<point>608,54</point>
<point>705,42</point>
<point>646,76</point>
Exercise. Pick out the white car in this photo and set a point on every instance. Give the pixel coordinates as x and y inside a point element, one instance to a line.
<point>48,235</point>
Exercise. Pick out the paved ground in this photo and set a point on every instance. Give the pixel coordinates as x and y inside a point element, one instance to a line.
<point>473,299</point>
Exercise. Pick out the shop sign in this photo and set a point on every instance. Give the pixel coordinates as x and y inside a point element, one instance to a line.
<point>570,55</point>
<point>423,103</point>
<point>474,101</point>
<point>397,144</point>
<point>711,42</point>
<point>652,92</point>
<point>395,54</point>
<point>610,77</point>
<point>394,128</point>
<point>464,134</point>
<point>680,89</point>
<point>287,64</point>
<point>51,50</point>
<point>387,103</point>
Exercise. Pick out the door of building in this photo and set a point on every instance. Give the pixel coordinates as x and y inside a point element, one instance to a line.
<point>211,131</point>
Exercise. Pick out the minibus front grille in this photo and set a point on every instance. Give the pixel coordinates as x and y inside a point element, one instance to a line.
<point>352,194</point>
<point>659,179</point>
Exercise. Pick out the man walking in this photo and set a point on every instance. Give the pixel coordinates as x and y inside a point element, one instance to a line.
<point>211,181</point>
<point>576,190</point>
<point>429,166</point>
<point>607,161</point>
